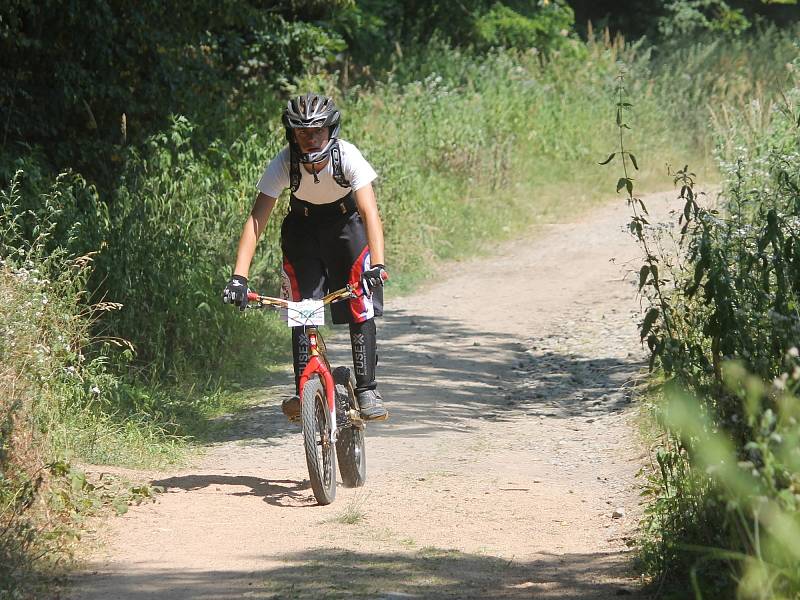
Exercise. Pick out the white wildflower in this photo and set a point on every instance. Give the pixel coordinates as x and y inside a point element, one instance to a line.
<point>780,382</point>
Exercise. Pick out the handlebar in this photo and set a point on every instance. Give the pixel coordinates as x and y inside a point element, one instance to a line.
<point>347,292</point>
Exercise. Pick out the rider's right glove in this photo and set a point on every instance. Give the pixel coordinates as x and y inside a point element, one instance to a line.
<point>236,292</point>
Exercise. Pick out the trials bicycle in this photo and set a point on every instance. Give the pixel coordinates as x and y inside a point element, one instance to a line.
<point>330,413</point>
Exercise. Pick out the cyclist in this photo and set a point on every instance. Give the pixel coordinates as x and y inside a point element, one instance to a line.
<point>331,236</point>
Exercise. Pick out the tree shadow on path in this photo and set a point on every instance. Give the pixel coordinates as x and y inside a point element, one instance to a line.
<point>436,374</point>
<point>425,573</point>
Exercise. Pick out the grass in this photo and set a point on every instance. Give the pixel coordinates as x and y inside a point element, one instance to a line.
<point>353,513</point>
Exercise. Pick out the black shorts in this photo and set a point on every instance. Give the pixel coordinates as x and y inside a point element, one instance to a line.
<point>324,248</point>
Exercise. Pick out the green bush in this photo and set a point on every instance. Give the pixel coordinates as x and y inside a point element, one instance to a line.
<point>724,286</point>
<point>504,27</point>
<point>685,18</point>
<point>737,293</point>
<point>45,375</point>
<point>724,515</point>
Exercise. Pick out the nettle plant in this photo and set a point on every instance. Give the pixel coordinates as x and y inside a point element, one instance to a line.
<point>734,291</point>
<point>657,328</point>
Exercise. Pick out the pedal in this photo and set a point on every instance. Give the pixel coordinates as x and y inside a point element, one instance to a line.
<point>379,419</point>
<point>355,419</point>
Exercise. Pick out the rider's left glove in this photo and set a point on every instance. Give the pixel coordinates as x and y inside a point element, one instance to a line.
<point>236,292</point>
<point>372,278</point>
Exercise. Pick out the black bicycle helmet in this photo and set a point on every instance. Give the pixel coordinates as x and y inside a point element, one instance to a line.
<point>311,110</point>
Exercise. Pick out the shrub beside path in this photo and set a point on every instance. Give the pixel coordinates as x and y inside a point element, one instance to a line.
<point>507,469</point>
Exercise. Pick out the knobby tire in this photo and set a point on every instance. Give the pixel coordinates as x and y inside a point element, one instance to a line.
<point>317,430</point>
<point>350,448</point>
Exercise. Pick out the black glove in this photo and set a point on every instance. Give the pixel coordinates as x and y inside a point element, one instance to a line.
<point>372,278</point>
<point>236,292</point>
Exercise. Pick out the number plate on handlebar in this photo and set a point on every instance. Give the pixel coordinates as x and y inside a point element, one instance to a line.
<point>306,312</point>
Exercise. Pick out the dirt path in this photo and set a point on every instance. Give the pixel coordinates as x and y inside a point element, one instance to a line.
<point>509,450</point>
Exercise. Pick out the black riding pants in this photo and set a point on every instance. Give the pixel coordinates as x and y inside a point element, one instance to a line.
<point>324,248</point>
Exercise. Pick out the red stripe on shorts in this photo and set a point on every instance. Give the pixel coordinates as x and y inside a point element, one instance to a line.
<point>361,307</point>
<point>294,286</point>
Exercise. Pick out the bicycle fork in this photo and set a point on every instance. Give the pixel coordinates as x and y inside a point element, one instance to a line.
<point>318,365</point>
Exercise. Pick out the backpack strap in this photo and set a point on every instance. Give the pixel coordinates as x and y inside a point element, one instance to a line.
<point>336,161</point>
<point>294,170</point>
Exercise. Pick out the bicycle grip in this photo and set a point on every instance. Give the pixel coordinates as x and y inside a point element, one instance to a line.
<point>252,296</point>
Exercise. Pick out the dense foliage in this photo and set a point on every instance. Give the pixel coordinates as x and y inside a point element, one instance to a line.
<point>82,82</point>
<point>658,19</point>
<point>132,134</point>
<point>46,377</point>
<point>723,326</point>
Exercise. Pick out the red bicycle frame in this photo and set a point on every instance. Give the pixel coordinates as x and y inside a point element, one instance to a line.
<point>318,365</point>
<point>318,362</point>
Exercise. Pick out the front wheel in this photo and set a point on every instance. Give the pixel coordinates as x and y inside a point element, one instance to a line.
<point>317,439</point>
<point>350,449</point>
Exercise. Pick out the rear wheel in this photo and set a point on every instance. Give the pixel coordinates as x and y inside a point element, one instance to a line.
<point>317,434</point>
<point>350,449</point>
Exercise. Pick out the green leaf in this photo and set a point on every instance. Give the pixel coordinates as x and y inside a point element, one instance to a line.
<point>699,271</point>
<point>643,272</point>
<point>649,319</point>
<point>654,271</point>
<point>633,160</point>
<point>652,342</point>
<point>120,505</point>
<point>629,185</point>
<point>621,183</point>
<point>608,160</point>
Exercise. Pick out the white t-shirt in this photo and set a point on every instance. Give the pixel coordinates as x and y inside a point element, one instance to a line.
<point>355,168</point>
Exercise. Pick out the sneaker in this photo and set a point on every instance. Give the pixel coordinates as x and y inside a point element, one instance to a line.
<point>371,404</point>
<point>291,408</point>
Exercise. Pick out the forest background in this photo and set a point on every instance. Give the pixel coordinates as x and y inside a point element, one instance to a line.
<point>131,138</point>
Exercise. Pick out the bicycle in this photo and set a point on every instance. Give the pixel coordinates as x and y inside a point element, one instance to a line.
<point>330,414</point>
